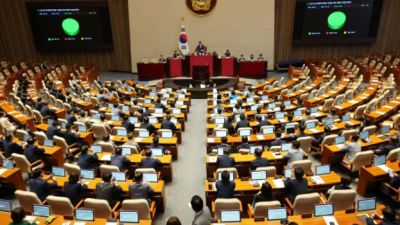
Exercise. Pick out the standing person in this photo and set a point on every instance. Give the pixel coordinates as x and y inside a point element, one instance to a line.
<point>73,187</point>
<point>202,213</point>
<point>200,48</point>
<point>140,189</point>
<point>294,154</point>
<point>225,187</point>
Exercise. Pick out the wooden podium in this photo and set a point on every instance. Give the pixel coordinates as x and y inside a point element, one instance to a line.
<point>201,73</point>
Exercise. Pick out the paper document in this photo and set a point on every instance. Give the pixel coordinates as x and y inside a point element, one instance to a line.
<point>66,223</point>
<point>103,108</point>
<point>333,92</point>
<point>19,115</point>
<point>362,97</point>
<point>79,223</point>
<point>106,158</point>
<point>110,122</point>
<point>353,101</point>
<point>371,88</point>
<point>317,180</point>
<point>314,130</point>
<point>210,139</point>
<point>2,171</point>
<point>384,168</point>
<point>279,183</point>
<point>138,139</point>
<point>212,159</point>
<point>111,223</point>
<point>382,113</point>
<point>260,137</point>
<point>389,107</point>
<point>339,107</point>
<point>11,112</point>
<point>282,120</point>
<point>157,115</point>
<point>316,114</point>
<point>330,219</point>
<point>317,99</point>
<point>30,218</point>
<point>396,102</point>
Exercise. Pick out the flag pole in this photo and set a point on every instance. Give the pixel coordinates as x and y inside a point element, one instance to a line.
<point>182,21</point>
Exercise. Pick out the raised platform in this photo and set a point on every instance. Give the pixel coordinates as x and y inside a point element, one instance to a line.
<point>197,92</point>
<point>248,81</point>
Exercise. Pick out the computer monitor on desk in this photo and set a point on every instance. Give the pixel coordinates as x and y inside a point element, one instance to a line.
<point>230,176</point>
<point>230,216</point>
<point>380,160</point>
<point>366,204</point>
<point>253,148</point>
<point>322,170</point>
<point>277,214</point>
<point>84,214</point>
<point>258,175</point>
<point>323,209</point>
<point>128,216</point>
<point>220,133</point>
<point>5,206</point>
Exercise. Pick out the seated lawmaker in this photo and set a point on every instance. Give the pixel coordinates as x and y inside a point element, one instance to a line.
<point>262,123</point>
<point>161,59</point>
<point>389,217</point>
<point>229,126</point>
<point>11,147</point>
<point>31,151</point>
<point>278,141</point>
<point>39,186</point>
<point>139,189</point>
<point>351,148</point>
<point>301,134</point>
<point>146,125</point>
<point>223,144</point>
<point>108,189</point>
<point>54,131</point>
<point>316,142</point>
<point>119,160</point>
<point>200,48</point>
<point>296,186</point>
<point>86,158</point>
<point>259,161</point>
<point>245,144</point>
<point>73,187</point>
<point>384,150</point>
<point>149,161</point>
<point>225,187</point>
<point>394,182</point>
<point>227,53</point>
<point>345,181</point>
<point>224,161</point>
<point>241,58</point>
<point>155,144</point>
<point>242,123</point>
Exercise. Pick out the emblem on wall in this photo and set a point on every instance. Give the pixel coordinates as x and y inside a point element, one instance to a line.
<point>201,7</point>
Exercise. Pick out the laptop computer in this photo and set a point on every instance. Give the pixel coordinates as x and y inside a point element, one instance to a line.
<point>96,148</point>
<point>63,125</point>
<point>366,204</point>
<point>233,101</point>
<point>286,147</point>
<point>128,216</point>
<point>287,103</point>
<point>96,116</point>
<point>25,137</point>
<point>339,141</point>
<point>5,206</point>
<point>220,151</point>
<point>310,125</point>
<point>364,135</point>
<point>158,111</point>
<point>297,113</point>
<point>258,175</point>
<point>87,174</point>
<point>244,133</point>
<point>180,103</point>
<point>153,120</point>
<point>230,176</point>
<point>110,105</point>
<point>314,110</point>
<point>176,111</point>
<point>271,106</point>
<point>322,170</point>
<point>152,94</point>
<point>290,129</point>
<point>150,177</point>
<point>230,216</point>
<point>147,101</point>
<point>134,119</point>
<point>156,152</point>
<point>144,134</point>
<point>220,133</point>
<point>41,210</point>
<point>50,121</point>
<point>253,148</point>
<point>385,130</point>
<point>323,209</point>
<point>82,129</point>
<point>167,134</point>
<point>126,151</point>
<point>8,164</point>
<point>264,97</point>
<point>58,171</point>
<point>268,130</point>
<point>219,120</point>
<point>346,118</point>
<point>125,108</point>
<point>311,96</point>
<point>118,176</point>
<point>277,214</point>
<point>329,122</point>
<point>379,160</point>
<point>121,133</point>
<point>249,100</point>
<point>253,108</point>
<point>115,118</point>
<point>279,116</point>
<point>84,214</point>
<point>48,143</point>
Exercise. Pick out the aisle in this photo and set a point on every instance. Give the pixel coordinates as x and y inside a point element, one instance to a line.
<point>190,169</point>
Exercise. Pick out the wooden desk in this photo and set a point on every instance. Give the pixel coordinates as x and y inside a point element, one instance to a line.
<point>17,116</point>
<point>87,137</point>
<point>308,89</point>
<point>13,179</point>
<point>140,87</point>
<point>260,86</point>
<point>369,177</point>
<point>331,154</point>
<point>159,189</point>
<point>385,112</point>
<point>245,192</point>
<point>362,99</point>
<point>309,103</point>
<point>166,160</point>
<point>170,144</point>
<point>277,90</point>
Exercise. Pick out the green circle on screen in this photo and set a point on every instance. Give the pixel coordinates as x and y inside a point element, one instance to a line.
<point>336,20</point>
<point>70,26</point>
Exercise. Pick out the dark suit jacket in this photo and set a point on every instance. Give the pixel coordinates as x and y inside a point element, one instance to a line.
<point>38,106</point>
<point>150,162</point>
<point>85,160</point>
<point>41,187</point>
<point>144,115</point>
<point>168,125</point>
<point>227,54</point>
<point>277,142</point>
<point>221,146</point>
<point>299,136</point>
<point>337,187</point>
<point>54,93</point>
<point>262,123</point>
<point>128,126</point>
<point>395,183</point>
<point>45,111</point>
<point>370,221</point>
<point>147,126</point>
<point>242,123</point>
<point>300,106</point>
<point>161,60</point>
<point>296,187</point>
<point>224,161</point>
<point>258,162</point>
<point>384,150</point>
<point>71,119</point>
<point>107,192</point>
<point>54,131</point>
<point>176,55</point>
<point>72,191</point>
<point>120,161</point>
<point>225,190</point>
<point>320,139</point>
<point>70,137</point>
<point>60,96</point>
<point>11,147</point>
<point>31,151</point>
<point>244,146</point>
<point>229,126</point>
<point>159,105</point>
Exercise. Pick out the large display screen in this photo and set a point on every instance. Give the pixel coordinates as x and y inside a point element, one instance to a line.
<point>336,22</point>
<point>70,25</point>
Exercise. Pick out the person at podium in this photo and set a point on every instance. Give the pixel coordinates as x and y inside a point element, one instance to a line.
<point>200,48</point>
<point>227,53</point>
<point>176,54</point>
<point>161,59</point>
<point>241,58</point>
<point>251,57</point>
<point>260,57</point>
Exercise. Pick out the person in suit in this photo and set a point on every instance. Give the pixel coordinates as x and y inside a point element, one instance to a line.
<point>241,58</point>
<point>31,150</point>
<point>130,142</point>
<point>200,48</point>
<point>71,137</point>
<point>294,154</point>
<point>224,161</point>
<point>219,114</point>
<point>351,148</point>
<point>139,189</point>
<point>45,111</point>
<point>389,217</point>
<point>108,189</point>
<point>161,59</point>
<point>119,160</point>
<point>146,125</point>
<point>251,57</point>
<point>107,139</point>
<point>53,92</point>
<point>330,115</point>
<point>242,123</point>
<point>167,124</point>
<point>127,124</point>
<point>117,110</point>
<point>176,54</point>
<point>251,93</point>
<point>99,81</point>
<point>83,119</point>
<point>317,142</point>
<point>233,95</point>
<point>54,131</point>
<point>296,186</point>
<point>384,150</point>
<point>259,161</point>
<point>299,103</point>
<point>260,57</point>
<point>244,145</point>
<point>155,144</point>
<point>101,98</point>
<point>159,104</point>
<point>301,134</point>
<point>347,126</point>
<point>223,144</point>
<point>71,117</point>
<point>103,122</point>
<point>278,141</point>
<point>73,187</point>
<point>18,217</point>
<point>202,215</point>
<point>266,194</point>
<point>85,159</point>
<point>149,162</point>
<point>238,110</point>
<point>225,188</point>
<point>262,123</point>
<point>59,95</point>
<point>11,147</point>
<point>227,53</point>
<point>39,186</point>
<point>367,122</point>
<point>39,104</point>
<point>394,182</point>
<point>345,181</point>
<point>307,117</point>
<point>45,66</point>
<point>229,126</point>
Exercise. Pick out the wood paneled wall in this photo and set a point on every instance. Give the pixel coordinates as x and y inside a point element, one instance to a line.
<point>388,35</point>
<point>16,38</point>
